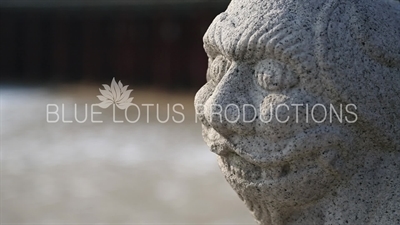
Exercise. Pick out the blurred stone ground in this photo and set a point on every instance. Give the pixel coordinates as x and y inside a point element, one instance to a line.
<point>108,173</point>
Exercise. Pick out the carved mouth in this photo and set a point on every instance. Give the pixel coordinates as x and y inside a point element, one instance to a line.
<point>288,184</point>
<point>242,169</point>
<point>280,155</point>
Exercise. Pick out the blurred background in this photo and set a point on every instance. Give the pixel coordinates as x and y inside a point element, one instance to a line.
<point>61,52</point>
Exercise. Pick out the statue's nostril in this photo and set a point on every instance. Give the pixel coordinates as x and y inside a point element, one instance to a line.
<point>285,170</point>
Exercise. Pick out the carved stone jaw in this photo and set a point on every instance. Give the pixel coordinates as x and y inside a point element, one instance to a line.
<point>274,190</point>
<point>275,167</point>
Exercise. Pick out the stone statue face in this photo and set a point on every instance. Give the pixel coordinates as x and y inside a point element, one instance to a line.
<point>276,71</point>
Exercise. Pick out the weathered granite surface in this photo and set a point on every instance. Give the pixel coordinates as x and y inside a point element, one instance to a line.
<point>278,72</point>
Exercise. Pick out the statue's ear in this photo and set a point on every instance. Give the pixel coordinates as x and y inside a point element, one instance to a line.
<point>376,24</point>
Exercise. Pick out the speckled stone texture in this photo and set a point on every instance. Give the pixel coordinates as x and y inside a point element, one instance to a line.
<point>270,64</point>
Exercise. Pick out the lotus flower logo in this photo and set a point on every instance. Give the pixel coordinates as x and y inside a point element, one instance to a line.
<point>116,94</point>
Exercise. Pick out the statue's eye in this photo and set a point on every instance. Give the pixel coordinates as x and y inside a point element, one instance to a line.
<point>273,75</point>
<point>217,69</point>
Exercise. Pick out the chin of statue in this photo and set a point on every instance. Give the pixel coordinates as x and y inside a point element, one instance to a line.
<point>288,185</point>
<point>298,178</point>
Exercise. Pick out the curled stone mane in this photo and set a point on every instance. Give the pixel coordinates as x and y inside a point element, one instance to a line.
<point>361,24</point>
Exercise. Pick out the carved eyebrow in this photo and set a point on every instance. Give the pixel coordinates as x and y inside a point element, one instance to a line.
<point>223,36</point>
<point>257,41</point>
<point>209,47</point>
<point>212,46</point>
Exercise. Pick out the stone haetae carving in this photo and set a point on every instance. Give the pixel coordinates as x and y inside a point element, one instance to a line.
<point>302,106</point>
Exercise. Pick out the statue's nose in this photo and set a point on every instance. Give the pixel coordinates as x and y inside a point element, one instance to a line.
<point>230,108</point>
